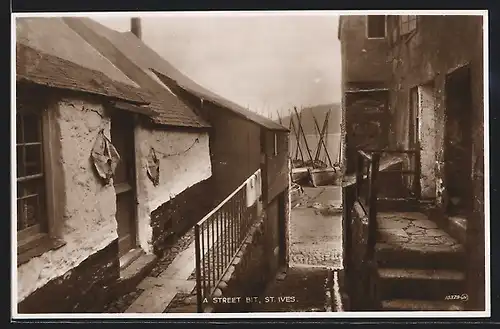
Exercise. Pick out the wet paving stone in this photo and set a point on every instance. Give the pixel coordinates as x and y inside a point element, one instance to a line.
<point>316,229</point>
<point>420,233</point>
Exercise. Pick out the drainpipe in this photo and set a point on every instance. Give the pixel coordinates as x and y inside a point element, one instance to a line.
<point>135,27</point>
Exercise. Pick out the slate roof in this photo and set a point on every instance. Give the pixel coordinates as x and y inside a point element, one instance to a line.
<point>147,59</point>
<point>40,68</point>
<point>170,109</point>
<point>50,52</point>
<point>53,37</point>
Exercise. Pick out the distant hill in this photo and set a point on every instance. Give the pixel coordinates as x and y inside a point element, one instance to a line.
<point>319,112</point>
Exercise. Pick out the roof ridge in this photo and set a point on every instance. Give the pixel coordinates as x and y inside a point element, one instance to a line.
<point>99,83</point>
<point>113,45</point>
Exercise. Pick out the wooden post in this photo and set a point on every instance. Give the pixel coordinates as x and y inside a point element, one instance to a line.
<point>326,150</point>
<point>319,134</point>
<point>298,149</point>
<point>305,139</point>
<point>372,205</point>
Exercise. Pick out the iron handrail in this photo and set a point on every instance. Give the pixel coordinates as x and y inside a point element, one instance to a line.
<point>229,223</point>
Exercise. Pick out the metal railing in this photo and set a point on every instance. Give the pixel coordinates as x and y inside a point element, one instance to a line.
<point>218,238</point>
<point>411,169</point>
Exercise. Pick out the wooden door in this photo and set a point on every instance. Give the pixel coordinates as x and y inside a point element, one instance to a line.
<point>122,137</point>
<point>367,123</point>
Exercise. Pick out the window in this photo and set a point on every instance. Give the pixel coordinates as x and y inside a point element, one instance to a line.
<point>407,24</point>
<point>34,228</point>
<point>31,213</point>
<point>401,26</point>
<point>375,26</point>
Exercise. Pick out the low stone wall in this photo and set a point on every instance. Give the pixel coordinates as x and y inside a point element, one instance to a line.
<point>246,278</point>
<point>176,216</point>
<point>85,288</point>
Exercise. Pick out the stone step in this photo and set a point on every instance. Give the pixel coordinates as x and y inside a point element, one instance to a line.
<point>457,227</point>
<point>420,256</point>
<point>421,305</point>
<point>422,284</point>
<point>386,204</point>
<point>135,271</point>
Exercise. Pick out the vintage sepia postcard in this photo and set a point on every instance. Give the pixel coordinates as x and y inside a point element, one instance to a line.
<point>325,164</point>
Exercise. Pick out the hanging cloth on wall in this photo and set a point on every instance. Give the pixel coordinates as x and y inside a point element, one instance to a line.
<point>153,170</point>
<point>105,157</point>
<point>259,184</point>
<point>251,191</point>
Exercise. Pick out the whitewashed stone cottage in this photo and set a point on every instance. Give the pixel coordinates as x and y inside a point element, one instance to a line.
<point>77,231</point>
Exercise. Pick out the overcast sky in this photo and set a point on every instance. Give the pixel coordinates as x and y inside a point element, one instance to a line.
<point>265,61</point>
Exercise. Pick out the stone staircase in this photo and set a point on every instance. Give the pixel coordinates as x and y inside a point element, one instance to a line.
<point>420,267</point>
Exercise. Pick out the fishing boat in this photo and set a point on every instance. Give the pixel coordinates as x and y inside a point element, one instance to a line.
<point>323,176</point>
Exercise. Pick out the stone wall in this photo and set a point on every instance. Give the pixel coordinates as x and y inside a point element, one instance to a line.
<point>85,221</point>
<point>425,60</point>
<point>84,288</point>
<point>363,60</point>
<point>176,216</point>
<point>184,161</point>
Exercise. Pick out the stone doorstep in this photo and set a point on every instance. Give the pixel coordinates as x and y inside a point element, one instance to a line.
<point>130,257</point>
<point>141,266</point>
<point>420,274</point>
<point>419,256</point>
<point>132,274</point>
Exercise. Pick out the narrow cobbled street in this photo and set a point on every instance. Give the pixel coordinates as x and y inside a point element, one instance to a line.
<point>312,282</point>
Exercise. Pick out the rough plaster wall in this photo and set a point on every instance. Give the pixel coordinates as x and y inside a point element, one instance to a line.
<point>428,145</point>
<point>89,222</point>
<point>365,59</point>
<point>177,171</point>
<point>436,50</point>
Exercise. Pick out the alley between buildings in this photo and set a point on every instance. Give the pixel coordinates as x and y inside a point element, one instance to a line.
<point>312,281</point>
<point>310,284</point>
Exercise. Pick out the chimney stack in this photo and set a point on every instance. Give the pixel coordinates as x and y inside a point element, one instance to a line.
<point>135,27</point>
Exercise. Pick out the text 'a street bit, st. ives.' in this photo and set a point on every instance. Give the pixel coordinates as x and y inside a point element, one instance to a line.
<point>251,299</point>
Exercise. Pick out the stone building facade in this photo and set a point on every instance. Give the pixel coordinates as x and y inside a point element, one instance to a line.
<point>428,73</point>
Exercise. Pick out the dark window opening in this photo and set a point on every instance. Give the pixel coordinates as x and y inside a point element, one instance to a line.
<point>376,26</point>
<point>30,174</point>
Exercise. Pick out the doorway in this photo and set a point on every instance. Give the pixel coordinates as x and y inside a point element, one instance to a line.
<point>122,137</point>
<point>366,122</point>
<point>458,143</point>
